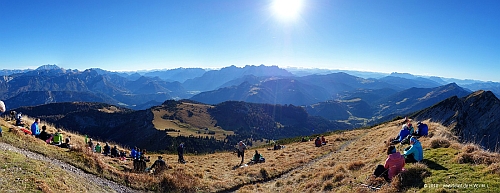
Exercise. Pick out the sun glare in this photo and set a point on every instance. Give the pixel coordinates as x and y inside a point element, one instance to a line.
<point>287,9</point>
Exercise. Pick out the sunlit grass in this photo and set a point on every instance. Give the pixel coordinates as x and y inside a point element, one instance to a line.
<point>26,175</point>
<point>346,161</point>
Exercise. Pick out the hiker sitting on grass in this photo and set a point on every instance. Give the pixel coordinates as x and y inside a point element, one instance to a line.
<point>317,142</point>
<point>44,135</point>
<point>91,145</point>
<point>257,158</point>
<point>414,153</point>
<point>35,129</point>
<point>107,150</point>
<point>13,115</point>
<point>393,165</point>
<point>123,155</point>
<point>114,152</point>
<point>57,138</point>
<point>66,143</point>
<point>422,130</point>
<point>277,146</point>
<point>323,140</point>
<point>159,165</point>
<point>403,133</point>
<point>98,148</point>
<point>19,120</point>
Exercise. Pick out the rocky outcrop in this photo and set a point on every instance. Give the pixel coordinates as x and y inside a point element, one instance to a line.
<point>474,118</point>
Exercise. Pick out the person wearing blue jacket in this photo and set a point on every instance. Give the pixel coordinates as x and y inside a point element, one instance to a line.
<point>422,129</point>
<point>133,153</point>
<point>403,133</point>
<point>35,129</point>
<point>414,153</point>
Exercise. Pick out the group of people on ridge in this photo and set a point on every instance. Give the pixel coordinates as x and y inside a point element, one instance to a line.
<point>407,131</point>
<point>106,150</point>
<point>140,159</point>
<point>54,139</point>
<point>395,162</point>
<point>320,141</point>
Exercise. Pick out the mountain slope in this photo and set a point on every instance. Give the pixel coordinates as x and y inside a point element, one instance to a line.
<point>414,99</point>
<point>215,78</point>
<point>176,75</point>
<point>366,106</point>
<point>272,91</point>
<point>106,87</point>
<point>405,80</point>
<point>474,118</point>
<point>33,98</point>
<point>159,128</point>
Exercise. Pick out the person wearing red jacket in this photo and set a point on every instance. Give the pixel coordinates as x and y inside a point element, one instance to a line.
<point>394,163</point>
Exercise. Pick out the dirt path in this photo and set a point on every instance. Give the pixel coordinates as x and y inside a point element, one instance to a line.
<point>314,161</point>
<point>366,148</point>
<point>104,183</point>
<point>303,167</point>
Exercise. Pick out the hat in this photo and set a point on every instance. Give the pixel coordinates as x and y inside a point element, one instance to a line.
<point>160,157</point>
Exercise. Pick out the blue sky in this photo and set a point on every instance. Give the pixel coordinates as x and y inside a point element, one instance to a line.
<point>448,38</point>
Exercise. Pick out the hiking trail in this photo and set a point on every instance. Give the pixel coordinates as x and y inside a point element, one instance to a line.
<point>102,182</point>
<point>287,173</point>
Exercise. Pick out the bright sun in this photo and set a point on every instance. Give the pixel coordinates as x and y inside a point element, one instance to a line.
<point>287,9</point>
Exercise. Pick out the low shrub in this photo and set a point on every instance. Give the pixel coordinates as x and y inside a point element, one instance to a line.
<point>440,142</point>
<point>355,165</point>
<point>477,157</point>
<point>470,147</point>
<point>412,177</point>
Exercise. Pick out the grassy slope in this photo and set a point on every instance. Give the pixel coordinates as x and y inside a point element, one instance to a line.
<point>346,169</point>
<point>347,160</point>
<point>449,173</point>
<point>26,175</point>
<point>191,125</point>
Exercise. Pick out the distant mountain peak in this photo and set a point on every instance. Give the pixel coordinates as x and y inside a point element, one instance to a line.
<point>48,67</point>
<point>403,75</point>
<point>482,94</point>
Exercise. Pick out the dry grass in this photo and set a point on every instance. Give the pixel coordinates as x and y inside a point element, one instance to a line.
<point>28,175</point>
<point>348,160</point>
<point>473,154</point>
<point>412,177</point>
<point>494,168</point>
<point>355,165</point>
<point>439,142</point>
<point>194,119</point>
<point>470,148</point>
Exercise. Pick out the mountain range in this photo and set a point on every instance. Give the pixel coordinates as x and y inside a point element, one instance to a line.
<point>360,100</point>
<point>204,128</point>
<point>255,102</point>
